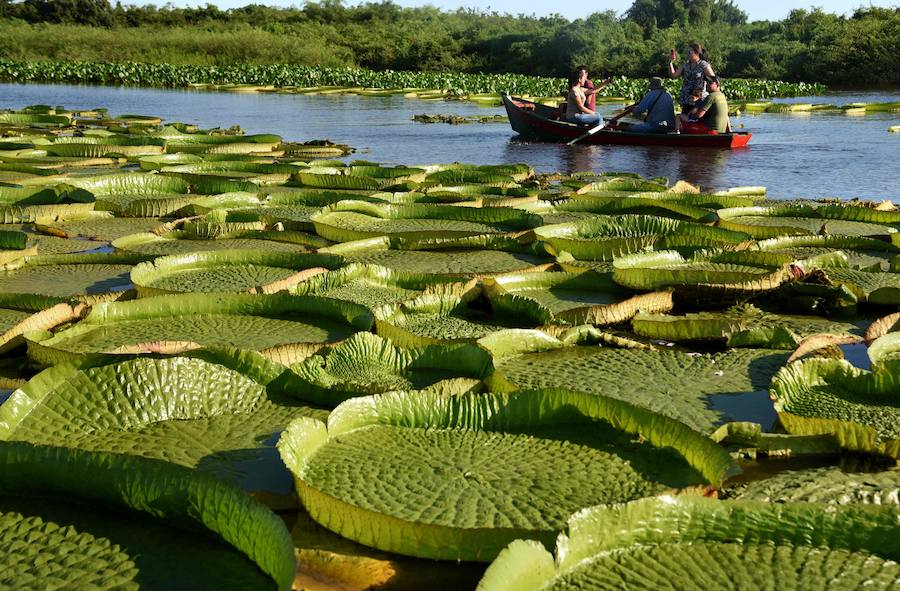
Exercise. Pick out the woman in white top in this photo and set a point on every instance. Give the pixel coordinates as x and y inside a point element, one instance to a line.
<point>577,110</point>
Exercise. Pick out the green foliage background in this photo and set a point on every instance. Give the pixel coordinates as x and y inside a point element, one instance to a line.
<point>809,45</point>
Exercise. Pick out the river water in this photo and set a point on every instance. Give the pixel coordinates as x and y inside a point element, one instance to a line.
<point>793,155</point>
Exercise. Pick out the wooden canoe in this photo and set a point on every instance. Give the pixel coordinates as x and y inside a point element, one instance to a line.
<point>534,120</point>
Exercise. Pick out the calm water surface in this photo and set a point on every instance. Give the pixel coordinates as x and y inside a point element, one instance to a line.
<point>794,155</point>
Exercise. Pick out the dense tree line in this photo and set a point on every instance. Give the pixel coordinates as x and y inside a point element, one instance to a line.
<point>810,45</point>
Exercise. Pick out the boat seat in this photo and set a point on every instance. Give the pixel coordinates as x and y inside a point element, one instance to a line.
<point>524,106</point>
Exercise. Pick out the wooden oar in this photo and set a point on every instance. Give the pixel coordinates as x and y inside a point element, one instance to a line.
<point>603,125</point>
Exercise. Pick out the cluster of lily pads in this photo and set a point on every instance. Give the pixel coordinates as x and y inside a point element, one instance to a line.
<point>483,88</point>
<point>232,361</point>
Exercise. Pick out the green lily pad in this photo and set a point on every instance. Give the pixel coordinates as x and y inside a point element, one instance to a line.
<point>832,397</point>
<point>435,318</point>
<point>605,238</point>
<point>824,485</point>
<point>219,412</point>
<point>178,322</point>
<point>367,364</point>
<point>702,391</point>
<point>109,521</point>
<point>694,543</point>
<point>378,288</point>
<point>180,242</point>
<point>357,220</point>
<point>69,275</point>
<point>469,473</point>
<point>257,271</point>
<point>743,326</point>
<point>580,297</point>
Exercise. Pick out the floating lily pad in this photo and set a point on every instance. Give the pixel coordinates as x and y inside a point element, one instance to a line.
<point>367,364</point>
<point>100,226</point>
<point>23,313</point>
<point>378,287</point>
<point>580,298</point>
<point>180,242</point>
<point>356,220</point>
<point>824,485</point>
<point>109,521</point>
<point>863,253</point>
<point>178,322</point>
<point>605,238</point>
<point>466,257</point>
<point>469,473</point>
<point>832,397</point>
<point>256,271</point>
<point>874,287</point>
<point>743,326</point>
<point>219,412</point>
<point>435,318</point>
<point>69,275</point>
<point>779,220</point>
<point>694,543</point>
<point>702,391</point>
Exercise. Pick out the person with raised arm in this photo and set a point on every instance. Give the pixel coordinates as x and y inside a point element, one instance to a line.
<point>693,74</point>
<point>577,110</point>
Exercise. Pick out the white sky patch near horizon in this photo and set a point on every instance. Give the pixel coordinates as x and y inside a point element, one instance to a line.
<point>756,10</point>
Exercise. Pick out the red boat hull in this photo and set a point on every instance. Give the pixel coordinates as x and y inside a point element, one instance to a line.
<point>541,122</point>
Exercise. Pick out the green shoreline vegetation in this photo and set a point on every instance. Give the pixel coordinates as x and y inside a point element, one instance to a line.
<point>271,46</point>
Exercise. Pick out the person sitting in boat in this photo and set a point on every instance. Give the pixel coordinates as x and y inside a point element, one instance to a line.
<point>577,110</point>
<point>693,74</point>
<point>659,106</point>
<point>588,85</point>
<point>711,115</point>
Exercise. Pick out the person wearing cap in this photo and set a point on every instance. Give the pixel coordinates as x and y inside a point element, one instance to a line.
<point>711,115</point>
<point>659,106</point>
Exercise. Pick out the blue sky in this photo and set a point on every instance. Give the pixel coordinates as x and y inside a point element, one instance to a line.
<point>757,10</point>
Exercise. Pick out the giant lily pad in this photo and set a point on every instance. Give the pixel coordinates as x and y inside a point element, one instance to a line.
<point>694,543</point>
<point>69,275</point>
<point>743,326</point>
<point>479,255</point>
<point>256,271</point>
<point>824,485</point>
<point>832,397</point>
<point>356,220</point>
<point>216,411</point>
<point>727,272</point>
<point>874,287</point>
<point>378,287</point>
<point>367,364</point>
<point>580,297</point>
<point>605,238</point>
<point>863,253</point>
<point>437,318</point>
<point>469,473</point>
<point>268,323</point>
<point>838,219</point>
<point>23,313</point>
<point>182,242</point>
<point>72,518</point>
<point>97,226</point>
<point>702,391</point>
